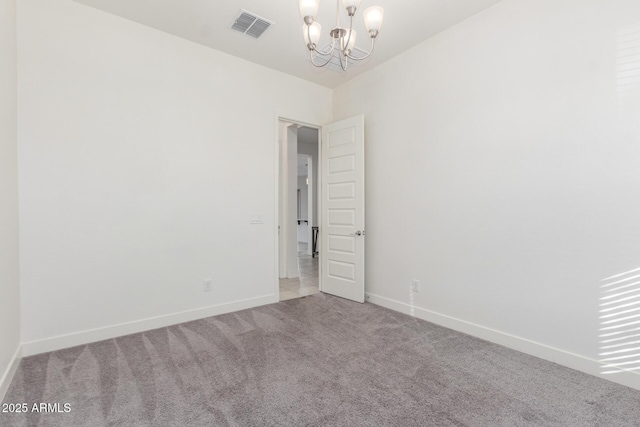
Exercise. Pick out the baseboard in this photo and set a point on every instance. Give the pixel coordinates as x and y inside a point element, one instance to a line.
<point>561,357</point>
<point>93,335</point>
<point>293,274</point>
<point>7,375</point>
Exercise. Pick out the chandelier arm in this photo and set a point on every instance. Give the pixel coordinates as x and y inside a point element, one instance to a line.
<point>330,53</point>
<point>314,63</point>
<point>373,45</point>
<point>313,45</point>
<point>344,65</point>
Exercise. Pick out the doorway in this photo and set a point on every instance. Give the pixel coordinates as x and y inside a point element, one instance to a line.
<point>339,179</point>
<point>298,211</point>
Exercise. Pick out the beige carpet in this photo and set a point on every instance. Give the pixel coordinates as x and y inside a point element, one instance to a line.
<point>314,361</point>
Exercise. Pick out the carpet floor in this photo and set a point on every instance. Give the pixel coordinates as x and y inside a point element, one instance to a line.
<point>314,361</point>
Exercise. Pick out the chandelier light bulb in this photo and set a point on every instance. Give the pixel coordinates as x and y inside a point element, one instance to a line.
<point>373,19</point>
<point>309,8</point>
<point>351,6</point>
<point>312,31</point>
<point>347,3</point>
<point>351,37</point>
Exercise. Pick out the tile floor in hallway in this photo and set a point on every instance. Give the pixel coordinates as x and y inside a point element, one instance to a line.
<point>307,283</point>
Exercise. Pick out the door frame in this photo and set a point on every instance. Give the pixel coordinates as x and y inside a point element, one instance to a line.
<point>299,122</point>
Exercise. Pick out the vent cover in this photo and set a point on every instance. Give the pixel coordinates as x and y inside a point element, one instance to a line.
<point>334,63</point>
<point>251,24</point>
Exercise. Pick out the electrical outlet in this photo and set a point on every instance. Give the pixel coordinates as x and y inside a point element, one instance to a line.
<point>415,285</point>
<point>207,286</point>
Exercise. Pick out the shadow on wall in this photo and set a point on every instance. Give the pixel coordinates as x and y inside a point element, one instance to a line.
<point>619,333</point>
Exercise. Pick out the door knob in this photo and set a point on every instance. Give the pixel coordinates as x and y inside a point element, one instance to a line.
<point>357,233</point>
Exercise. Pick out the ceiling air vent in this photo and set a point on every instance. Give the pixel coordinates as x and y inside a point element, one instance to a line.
<point>334,62</point>
<point>251,24</point>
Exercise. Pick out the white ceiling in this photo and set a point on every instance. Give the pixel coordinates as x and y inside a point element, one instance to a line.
<point>281,47</point>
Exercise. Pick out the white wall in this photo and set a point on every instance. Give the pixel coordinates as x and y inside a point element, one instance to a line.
<point>502,169</point>
<point>141,159</point>
<point>9,263</point>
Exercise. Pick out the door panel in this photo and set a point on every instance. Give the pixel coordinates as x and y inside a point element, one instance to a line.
<point>342,228</point>
<point>344,244</point>
<point>342,164</point>
<point>342,217</point>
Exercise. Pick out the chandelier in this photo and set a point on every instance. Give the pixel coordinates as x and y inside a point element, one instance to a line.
<point>343,40</point>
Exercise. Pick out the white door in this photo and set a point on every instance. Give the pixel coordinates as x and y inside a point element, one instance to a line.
<point>342,228</point>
